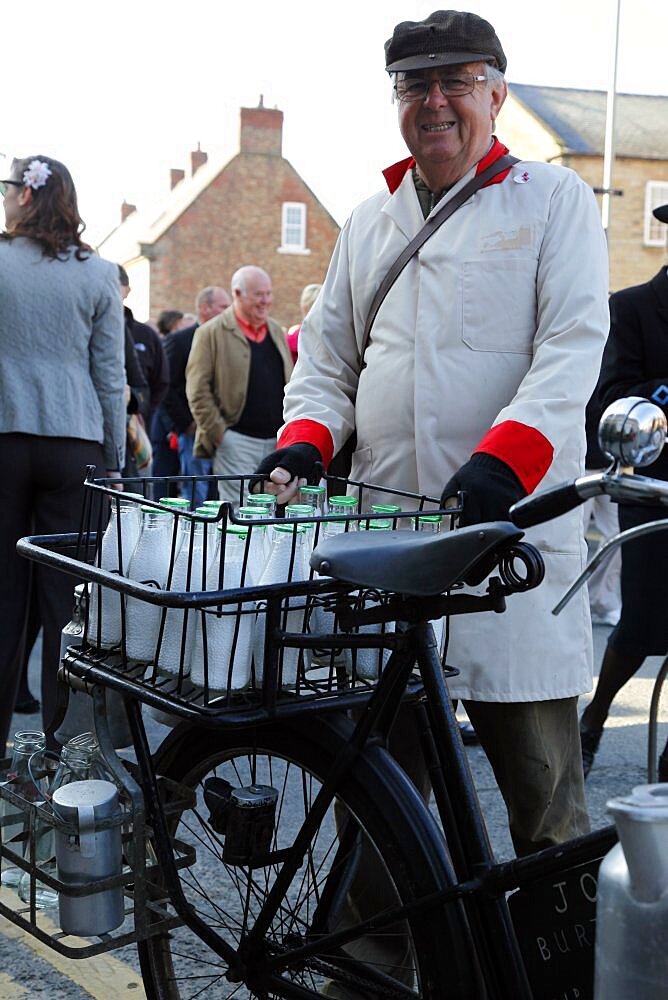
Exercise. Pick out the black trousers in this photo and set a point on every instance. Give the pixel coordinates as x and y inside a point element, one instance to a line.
<point>41,492</point>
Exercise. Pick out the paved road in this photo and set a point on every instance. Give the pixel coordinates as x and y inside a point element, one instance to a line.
<point>30,969</point>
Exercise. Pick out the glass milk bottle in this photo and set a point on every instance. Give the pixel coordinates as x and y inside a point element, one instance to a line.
<point>266,503</point>
<point>364,663</point>
<point>104,617</point>
<point>260,538</point>
<point>224,642</point>
<point>176,503</point>
<point>267,500</point>
<point>79,760</point>
<point>287,563</point>
<point>149,565</point>
<point>387,510</point>
<point>323,621</point>
<point>301,510</point>
<point>344,506</point>
<point>214,505</point>
<point>30,787</point>
<point>293,510</point>
<point>211,508</point>
<point>314,496</point>
<point>188,574</point>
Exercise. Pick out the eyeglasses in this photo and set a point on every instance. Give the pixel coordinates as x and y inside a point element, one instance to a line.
<point>4,185</point>
<point>416,88</point>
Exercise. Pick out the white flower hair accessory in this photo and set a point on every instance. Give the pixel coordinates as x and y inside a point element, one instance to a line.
<point>36,174</point>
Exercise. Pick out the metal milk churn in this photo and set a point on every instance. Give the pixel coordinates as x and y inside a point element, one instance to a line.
<point>632,900</point>
<point>90,855</point>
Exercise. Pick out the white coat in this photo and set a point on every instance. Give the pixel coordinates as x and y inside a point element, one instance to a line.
<point>501,317</point>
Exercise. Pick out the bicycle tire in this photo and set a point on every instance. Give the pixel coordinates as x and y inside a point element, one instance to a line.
<point>395,821</point>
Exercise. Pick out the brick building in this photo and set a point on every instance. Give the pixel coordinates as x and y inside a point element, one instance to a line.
<point>561,125</point>
<point>253,209</point>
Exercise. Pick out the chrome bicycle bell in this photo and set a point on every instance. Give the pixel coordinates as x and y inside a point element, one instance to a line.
<point>632,431</point>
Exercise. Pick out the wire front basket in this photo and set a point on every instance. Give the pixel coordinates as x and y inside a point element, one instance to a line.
<point>207,613</point>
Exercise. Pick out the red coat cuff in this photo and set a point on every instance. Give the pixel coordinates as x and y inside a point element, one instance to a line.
<point>308,432</point>
<point>523,448</point>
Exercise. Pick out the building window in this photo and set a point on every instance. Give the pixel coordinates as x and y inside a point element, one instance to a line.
<point>656,193</point>
<point>293,228</point>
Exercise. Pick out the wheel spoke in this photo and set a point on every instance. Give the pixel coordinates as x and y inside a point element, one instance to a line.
<point>230,898</point>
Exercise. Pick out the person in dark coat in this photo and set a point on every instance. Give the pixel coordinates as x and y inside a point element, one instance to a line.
<point>635,363</point>
<point>150,352</point>
<point>210,302</point>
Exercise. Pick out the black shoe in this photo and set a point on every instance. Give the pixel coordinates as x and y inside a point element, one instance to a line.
<point>27,706</point>
<point>663,766</point>
<point>468,734</point>
<point>589,741</point>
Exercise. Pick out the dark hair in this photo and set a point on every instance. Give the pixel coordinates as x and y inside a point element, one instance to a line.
<point>51,218</point>
<point>167,319</point>
<point>123,276</point>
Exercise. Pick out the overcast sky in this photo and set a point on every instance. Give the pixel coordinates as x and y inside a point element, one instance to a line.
<point>122,92</point>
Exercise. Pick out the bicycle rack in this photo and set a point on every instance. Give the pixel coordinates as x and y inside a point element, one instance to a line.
<point>147,910</point>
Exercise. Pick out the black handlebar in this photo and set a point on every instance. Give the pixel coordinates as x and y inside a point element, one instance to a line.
<point>544,506</point>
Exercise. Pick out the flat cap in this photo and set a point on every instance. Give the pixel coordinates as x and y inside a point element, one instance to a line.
<point>444,38</point>
<point>661,213</point>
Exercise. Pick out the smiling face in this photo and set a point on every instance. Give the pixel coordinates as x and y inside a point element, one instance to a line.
<point>253,302</point>
<point>448,135</point>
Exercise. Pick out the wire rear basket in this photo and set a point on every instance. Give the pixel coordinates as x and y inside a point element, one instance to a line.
<point>208,613</point>
<point>28,821</point>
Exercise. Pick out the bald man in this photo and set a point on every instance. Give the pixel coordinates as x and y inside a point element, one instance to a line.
<point>238,366</point>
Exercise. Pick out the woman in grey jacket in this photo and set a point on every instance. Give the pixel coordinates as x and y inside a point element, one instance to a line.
<point>62,406</point>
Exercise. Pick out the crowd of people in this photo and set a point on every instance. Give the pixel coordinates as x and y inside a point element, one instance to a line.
<point>491,339</point>
<point>85,383</point>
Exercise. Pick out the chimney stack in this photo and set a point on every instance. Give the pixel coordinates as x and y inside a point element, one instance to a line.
<point>175,176</point>
<point>197,160</point>
<point>261,130</point>
<point>127,210</point>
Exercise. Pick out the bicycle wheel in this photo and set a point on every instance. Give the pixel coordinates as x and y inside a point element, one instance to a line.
<point>427,956</point>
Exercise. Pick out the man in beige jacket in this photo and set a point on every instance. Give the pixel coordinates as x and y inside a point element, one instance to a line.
<point>238,366</point>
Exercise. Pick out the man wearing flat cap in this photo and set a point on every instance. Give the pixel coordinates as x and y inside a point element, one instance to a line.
<point>490,341</point>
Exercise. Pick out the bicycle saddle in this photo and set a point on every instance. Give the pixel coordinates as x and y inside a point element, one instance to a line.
<point>410,562</point>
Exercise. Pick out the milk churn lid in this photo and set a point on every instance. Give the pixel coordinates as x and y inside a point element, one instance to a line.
<point>646,803</point>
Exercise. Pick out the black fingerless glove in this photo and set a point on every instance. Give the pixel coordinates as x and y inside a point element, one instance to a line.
<point>490,487</point>
<point>301,460</point>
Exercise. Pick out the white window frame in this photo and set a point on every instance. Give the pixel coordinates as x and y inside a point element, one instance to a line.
<point>656,193</point>
<point>293,233</point>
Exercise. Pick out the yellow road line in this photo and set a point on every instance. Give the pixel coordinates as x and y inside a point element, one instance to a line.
<point>103,977</point>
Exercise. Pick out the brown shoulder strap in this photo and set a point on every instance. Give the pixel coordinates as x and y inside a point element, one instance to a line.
<point>503,163</point>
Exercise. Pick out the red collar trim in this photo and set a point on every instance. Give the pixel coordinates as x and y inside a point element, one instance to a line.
<point>250,331</point>
<point>395,174</point>
<point>496,152</point>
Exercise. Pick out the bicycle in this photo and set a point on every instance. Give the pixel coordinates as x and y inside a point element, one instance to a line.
<point>283,936</point>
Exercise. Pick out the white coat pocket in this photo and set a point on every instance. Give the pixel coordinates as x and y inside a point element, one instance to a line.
<point>499,305</point>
